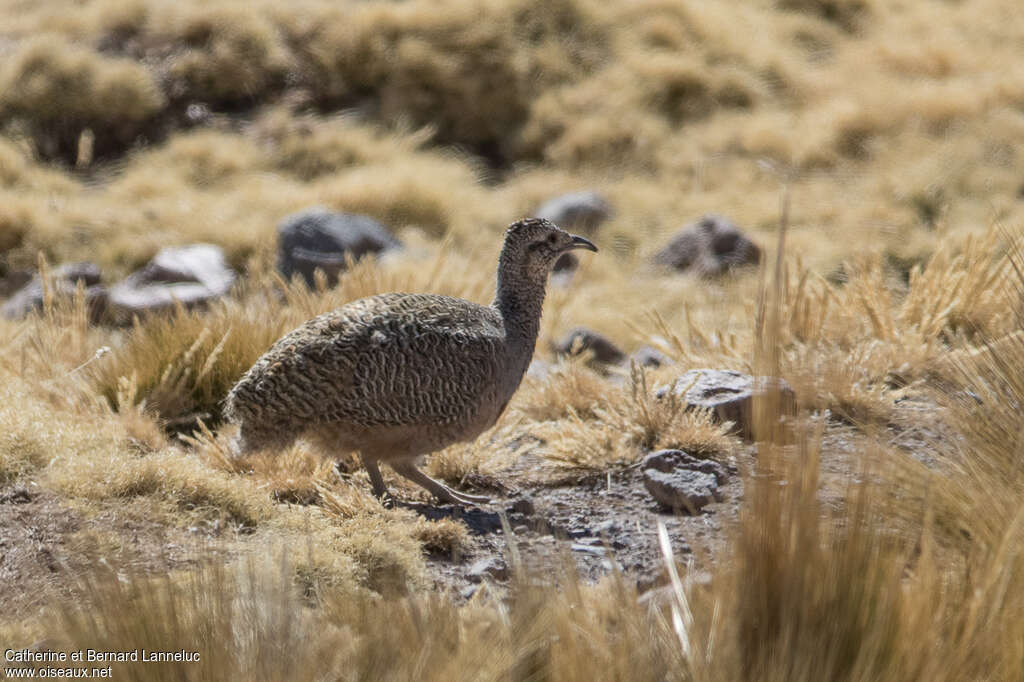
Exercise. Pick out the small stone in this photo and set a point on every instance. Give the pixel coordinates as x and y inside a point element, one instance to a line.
<point>727,394</point>
<point>582,340</point>
<point>682,490</point>
<point>577,211</point>
<point>197,113</point>
<point>647,356</point>
<point>670,460</point>
<point>488,567</point>
<point>711,246</point>
<point>581,212</point>
<point>320,239</point>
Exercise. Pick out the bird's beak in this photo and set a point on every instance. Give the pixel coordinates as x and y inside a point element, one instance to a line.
<point>581,243</point>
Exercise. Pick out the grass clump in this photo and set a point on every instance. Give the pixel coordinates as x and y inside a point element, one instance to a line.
<point>180,366</point>
<point>461,68</point>
<point>58,90</point>
<point>613,426</point>
<point>232,55</point>
<point>282,632</point>
<point>190,488</point>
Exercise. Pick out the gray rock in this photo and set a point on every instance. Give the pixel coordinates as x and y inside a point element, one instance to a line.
<point>727,394</point>
<point>711,246</point>
<point>64,280</point>
<point>581,340</point>
<point>668,461</point>
<point>682,489</point>
<point>318,238</point>
<point>190,275</point>
<point>646,356</point>
<point>488,567</point>
<point>14,280</point>
<point>580,212</point>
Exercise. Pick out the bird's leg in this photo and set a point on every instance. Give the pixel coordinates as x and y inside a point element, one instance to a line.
<point>380,491</point>
<point>437,489</point>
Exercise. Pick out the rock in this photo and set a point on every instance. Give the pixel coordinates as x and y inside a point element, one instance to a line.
<point>488,567</point>
<point>668,461</point>
<point>682,489</point>
<point>711,246</point>
<point>190,275</point>
<point>727,394</point>
<point>576,211</point>
<point>317,238</point>
<point>581,212</point>
<point>14,280</point>
<point>647,356</point>
<point>65,280</point>
<point>581,340</point>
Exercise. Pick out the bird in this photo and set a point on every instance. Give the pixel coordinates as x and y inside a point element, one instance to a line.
<point>400,375</point>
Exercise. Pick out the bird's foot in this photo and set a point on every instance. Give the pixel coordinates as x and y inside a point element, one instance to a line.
<point>456,497</point>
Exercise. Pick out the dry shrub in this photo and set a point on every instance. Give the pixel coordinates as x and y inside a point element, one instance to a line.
<point>618,425</point>
<point>252,621</point>
<point>180,366</point>
<point>850,348</point>
<point>18,172</point>
<point>203,159</point>
<point>310,147</point>
<point>481,461</point>
<point>857,596</point>
<point>230,55</point>
<point>254,607</point>
<point>570,388</point>
<point>423,193</point>
<point>58,90</point>
<point>462,68</point>
<point>30,437</point>
<point>180,479</point>
<point>445,537</point>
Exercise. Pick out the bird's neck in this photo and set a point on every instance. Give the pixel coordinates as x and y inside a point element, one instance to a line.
<point>520,302</point>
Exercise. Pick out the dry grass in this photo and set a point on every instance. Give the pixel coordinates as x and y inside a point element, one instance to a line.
<point>892,129</point>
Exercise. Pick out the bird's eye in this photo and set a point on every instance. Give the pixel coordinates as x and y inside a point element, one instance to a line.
<point>552,238</point>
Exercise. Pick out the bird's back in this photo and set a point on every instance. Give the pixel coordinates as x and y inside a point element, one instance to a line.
<point>387,360</point>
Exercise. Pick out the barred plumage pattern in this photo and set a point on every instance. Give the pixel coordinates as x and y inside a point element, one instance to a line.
<point>399,375</point>
<point>387,360</point>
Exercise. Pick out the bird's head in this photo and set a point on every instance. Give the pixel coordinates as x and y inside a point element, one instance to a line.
<point>534,244</point>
